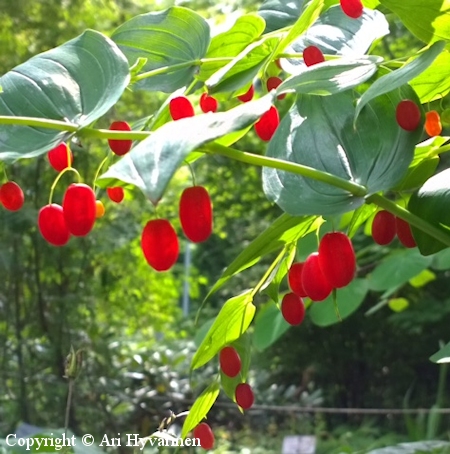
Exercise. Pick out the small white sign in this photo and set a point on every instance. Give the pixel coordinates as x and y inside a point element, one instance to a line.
<point>299,444</point>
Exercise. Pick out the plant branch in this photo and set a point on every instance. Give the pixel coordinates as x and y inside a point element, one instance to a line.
<point>39,123</point>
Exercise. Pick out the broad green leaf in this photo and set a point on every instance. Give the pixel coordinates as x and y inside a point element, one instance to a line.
<point>231,323</point>
<point>337,34</point>
<point>442,356</point>
<point>318,132</point>
<point>243,68</point>
<point>269,327</point>
<point>428,20</point>
<point>419,447</point>
<point>243,346</point>
<point>203,331</point>
<point>441,260</point>
<point>360,217</point>
<point>151,164</point>
<point>398,304</point>
<point>348,300</point>
<point>246,30</point>
<point>77,83</point>
<point>201,407</point>
<point>431,202</point>
<point>434,82</point>
<point>401,76</point>
<point>280,13</point>
<point>176,37</point>
<point>272,287</point>
<point>331,77</point>
<point>397,269</point>
<point>422,279</point>
<point>286,229</point>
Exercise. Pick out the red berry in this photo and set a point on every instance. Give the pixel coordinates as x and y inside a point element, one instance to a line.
<point>120,147</point>
<point>312,55</point>
<point>273,83</point>
<point>337,259</point>
<point>408,115</point>
<point>60,157</point>
<point>52,225</point>
<point>116,194</point>
<point>244,396</point>
<point>293,309</point>
<point>404,233</point>
<point>196,214</point>
<point>11,196</point>
<point>230,361</point>
<point>352,8</point>
<point>314,282</point>
<point>208,103</point>
<point>248,95</point>
<point>383,227</point>
<point>159,244</point>
<point>266,126</point>
<point>295,279</point>
<point>79,209</point>
<point>433,125</point>
<point>204,433</point>
<point>181,107</point>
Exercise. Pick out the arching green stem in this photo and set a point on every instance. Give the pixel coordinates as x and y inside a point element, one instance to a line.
<point>67,169</point>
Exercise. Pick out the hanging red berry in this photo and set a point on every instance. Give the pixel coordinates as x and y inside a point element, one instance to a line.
<point>314,282</point>
<point>204,433</point>
<point>120,147</point>
<point>273,83</point>
<point>99,209</point>
<point>116,194</point>
<point>159,243</point>
<point>79,209</point>
<point>383,228</point>
<point>196,216</point>
<point>312,55</point>
<point>337,259</point>
<point>408,115</point>
<point>266,126</point>
<point>180,107</point>
<point>60,157</point>
<point>230,361</point>
<point>292,309</point>
<point>404,233</point>
<point>208,103</point>
<point>248,95</point>
<point>295,279</point>
<point>11,196</point>
<point>52,225</point>
<point>433,126</point>
<point>244,396</point>
<point>352,8</point>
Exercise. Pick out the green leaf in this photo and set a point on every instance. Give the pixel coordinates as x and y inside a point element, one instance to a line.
<point>426,19</point>
<point>272,286</point>
<point>434,82</point>
<point>419,447</point>
<point>232,321</point>
<point>348,300</point>
<point>246,30</point>
<point>337,34</point>
<point>442,356</point>
<point>280,13</point>
<point>422,279</point>
<point>151,164</point>
<point>269,327</point>
<point>201,407</point>
<point>397,269</point>
<point>318,132</point>
<point>441,260</point>
<point>176,37</point>
<point>401,76</point>
<point>431,202</point>
<point>286,229</point>
<point>398,304</point>
<point>77,82</point>
<point>331,77</point>
<point>360,216</point>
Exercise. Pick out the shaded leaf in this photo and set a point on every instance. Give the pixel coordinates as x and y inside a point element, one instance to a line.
<point>272,286</point>
<point>280,13</point>
<point>442,356</point>
<point>171,37</point>
<point>419,447</point>
<point>269,327</point>
<point>441,260</point>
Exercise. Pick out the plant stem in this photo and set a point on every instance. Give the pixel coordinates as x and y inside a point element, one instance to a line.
<point>263,280</point>
<point>166,70</point>
<point>409,217</point>
<point>68,405</point>
<point>108,134</point>
<point>39,123</point>
<point>299,169</point>
<point>52,189</point>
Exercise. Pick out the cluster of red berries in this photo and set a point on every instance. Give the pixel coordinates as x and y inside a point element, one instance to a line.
<point>332,267</point>
<point>408,118</point>
<point>386,226</point>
